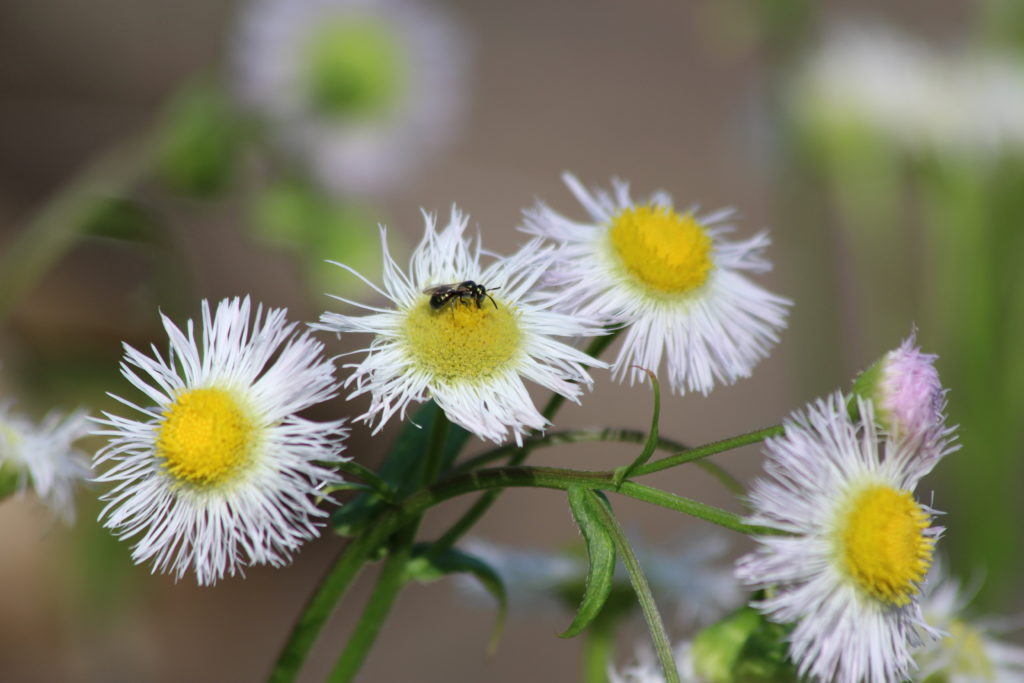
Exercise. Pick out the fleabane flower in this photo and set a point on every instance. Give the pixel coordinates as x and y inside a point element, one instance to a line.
<point>221,473</point>
<point>671,278</point>
<point>359,90</point>
<point>909,398</point>
<point>858,545</point>
<point>43,456</point>
<point>967,651</point>
<point>645,667</point>
<point>467,349</point>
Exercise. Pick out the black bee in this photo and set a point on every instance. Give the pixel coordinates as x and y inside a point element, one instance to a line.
<point>442,295</point>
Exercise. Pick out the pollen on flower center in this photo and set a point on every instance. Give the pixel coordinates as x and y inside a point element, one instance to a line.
<point>353,67</point>
<point>463,341</point>
<point>883,545</point>
<point>666,251</point>
<point>205,437</point>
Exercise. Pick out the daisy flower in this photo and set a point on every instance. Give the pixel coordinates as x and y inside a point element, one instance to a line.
<point>43,456</point>
<point>360,90</point>
<point>220,473</point>
<point>671,277</point>
<point>469,344</point>
<point>859,545</point>
<point>968,652</point>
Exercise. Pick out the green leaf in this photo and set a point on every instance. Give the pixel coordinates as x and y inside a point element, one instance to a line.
<point>9,480</point>
<point>651,444</point>
<point>601,552</point>
<point>744,647</point>
<point>427,567</point>
<point>122,219</point>
<point>401,469</point>
<point>372,480</point>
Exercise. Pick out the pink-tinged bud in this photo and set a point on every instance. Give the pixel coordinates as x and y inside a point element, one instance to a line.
<point>905,388</point>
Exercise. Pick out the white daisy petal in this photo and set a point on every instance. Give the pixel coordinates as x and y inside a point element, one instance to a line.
<point>850,573</point>
<point>671,278</point>
<point>221,474</point>
<point>470,351</point>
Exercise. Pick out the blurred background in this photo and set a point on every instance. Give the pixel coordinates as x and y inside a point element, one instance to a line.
<point>154,154</point>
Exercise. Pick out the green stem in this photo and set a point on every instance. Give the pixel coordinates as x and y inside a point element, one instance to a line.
<point>518,454</point>
<point>620,436</point>
<point>643,593</point>
<point>342,574</point>
<point>709,449</point>
<point>337,581</point>
<point>435,447</point>
<point>562,479</point>
<point>320,605</point>
<point>389,584</point>
<point>392,576</point>
<point>56,228</point>
<point>598,647</point>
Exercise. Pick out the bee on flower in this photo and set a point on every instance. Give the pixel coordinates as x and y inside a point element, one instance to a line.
<point>468,357</point>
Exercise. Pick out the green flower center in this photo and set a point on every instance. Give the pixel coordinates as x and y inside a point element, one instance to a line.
<point>354,68</point>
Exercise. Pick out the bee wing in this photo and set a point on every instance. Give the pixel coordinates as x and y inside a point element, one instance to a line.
<point>440,288</point>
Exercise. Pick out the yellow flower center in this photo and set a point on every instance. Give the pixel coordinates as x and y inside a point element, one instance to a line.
<point>461,341</point>
<point>883,545</point>
<point>666,251</point>
<point>205,437</point>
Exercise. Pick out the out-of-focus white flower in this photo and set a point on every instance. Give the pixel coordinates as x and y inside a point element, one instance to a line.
<point>647,669</point>
<point>42,456</point>
<point>361,91</point>
<point>967,652</point>
<point>221,473</point>
<point>692,577</point>
<point>876,80</point>
<point>671,278</point>
<point>857,545</point>
<point>471,349</point>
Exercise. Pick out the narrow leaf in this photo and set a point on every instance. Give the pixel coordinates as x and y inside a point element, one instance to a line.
<point>651,444</point>
<point>600,551</point>
<point>655,625</point>
<point>426,566</point>
<point>372,480</point>
<point>400,470</point>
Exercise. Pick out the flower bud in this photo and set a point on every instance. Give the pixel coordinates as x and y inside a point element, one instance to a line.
<point>905,389</point>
